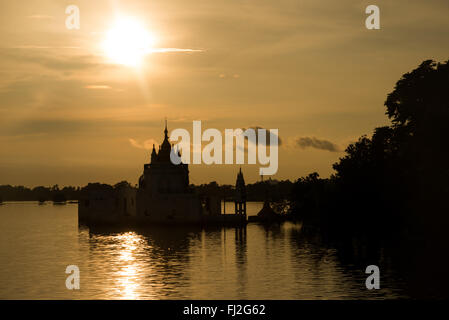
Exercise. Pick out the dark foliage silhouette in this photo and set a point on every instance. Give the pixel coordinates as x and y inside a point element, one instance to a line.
<point>393,187</point>
<point>399,177</point>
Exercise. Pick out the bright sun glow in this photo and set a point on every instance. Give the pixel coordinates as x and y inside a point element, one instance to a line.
<point>128,42</point>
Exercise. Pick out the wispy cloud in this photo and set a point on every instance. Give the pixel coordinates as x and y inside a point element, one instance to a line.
<point>234,76</point>
<point>164,50</point>
<point>49,61</point>
<point>320,144</point>
<point>44,47</point>
<point>147,144</point>
<point>40,16</point>
<point>97,87</point>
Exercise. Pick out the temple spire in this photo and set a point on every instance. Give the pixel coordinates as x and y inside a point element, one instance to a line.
<point>240,194</point>
<point>165,147</point>
<point>153,155</point>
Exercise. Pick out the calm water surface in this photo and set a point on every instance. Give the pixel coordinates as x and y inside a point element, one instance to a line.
<point>38,242</point>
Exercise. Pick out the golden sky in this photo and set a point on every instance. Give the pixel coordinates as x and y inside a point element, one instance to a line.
<point>70,115</point>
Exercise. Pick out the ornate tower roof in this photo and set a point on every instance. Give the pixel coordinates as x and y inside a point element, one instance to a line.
<point>165,148</point>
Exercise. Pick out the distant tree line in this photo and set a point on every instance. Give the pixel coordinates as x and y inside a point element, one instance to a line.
<point>41,193</point>
<point>54,193</point>
<point>274,189</point>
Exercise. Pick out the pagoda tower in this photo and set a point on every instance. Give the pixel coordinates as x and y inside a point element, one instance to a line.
<point>240,195</point>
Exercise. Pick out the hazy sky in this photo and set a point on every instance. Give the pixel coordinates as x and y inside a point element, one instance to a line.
<point>310,68</point>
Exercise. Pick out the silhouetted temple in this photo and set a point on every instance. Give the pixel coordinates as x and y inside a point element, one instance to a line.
<point>163,195</point>
<point>161,176</point>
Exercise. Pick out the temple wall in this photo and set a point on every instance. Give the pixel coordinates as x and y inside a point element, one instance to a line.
<point>107,207</point>
<point>170,208</point>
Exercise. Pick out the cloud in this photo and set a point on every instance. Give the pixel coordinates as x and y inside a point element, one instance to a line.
<point>97,87</point>
<point>267,136</point>
<point>320,144</point>
<point>147,144</point>
<point>223,75</point>
<point>40,16</point>
<point>164,50</point>
<point>44,59</point>
<point>44,47</point>
<point>46,127</point>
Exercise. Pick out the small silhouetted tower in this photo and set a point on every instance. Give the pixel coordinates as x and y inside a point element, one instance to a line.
<point>240,194</point>
<point>153,155</point>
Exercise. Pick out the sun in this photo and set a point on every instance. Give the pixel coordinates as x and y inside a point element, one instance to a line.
<point>127,42</point>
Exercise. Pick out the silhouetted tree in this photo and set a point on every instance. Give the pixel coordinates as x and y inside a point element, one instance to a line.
<point>399,176</point>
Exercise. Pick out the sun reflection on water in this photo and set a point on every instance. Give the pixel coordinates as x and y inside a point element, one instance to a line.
<point>130,271</point>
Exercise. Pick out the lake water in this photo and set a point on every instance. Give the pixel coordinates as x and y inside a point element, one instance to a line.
<point>38,242</point>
